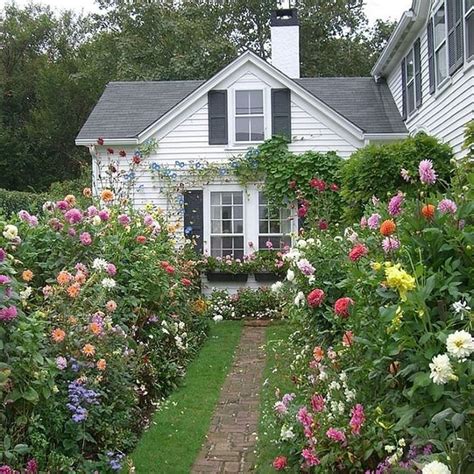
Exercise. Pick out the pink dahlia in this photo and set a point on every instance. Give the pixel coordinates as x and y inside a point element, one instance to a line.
<point>342,307</point>
<point>315,298</point>
<point>427,172</point>
<point>373,221</point>
<point>73,216</point>
<point>280,463</point>
<point>317,403</point>
<point>85,238</point>
<point>357,252</point>
<point>446,206</point>
<point>310,457</point>
<point>304,417</point>
<point>8,314</point>
<point>390,244</point>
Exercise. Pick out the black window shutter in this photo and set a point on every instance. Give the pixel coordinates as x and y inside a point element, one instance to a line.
<point>217,106</point>
<point>193,217</point>
<point>404,89</point>
<point>431,58</point>
<point>281,112</point>
<point>455,35</point>
<point>418,84</point>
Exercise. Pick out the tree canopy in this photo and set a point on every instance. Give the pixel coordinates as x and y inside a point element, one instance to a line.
<point>55,65</point>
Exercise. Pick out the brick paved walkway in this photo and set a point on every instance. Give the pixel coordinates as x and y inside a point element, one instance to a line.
<point>232,435</point>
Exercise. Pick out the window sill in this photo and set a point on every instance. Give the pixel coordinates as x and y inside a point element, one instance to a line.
<point>242,146</point>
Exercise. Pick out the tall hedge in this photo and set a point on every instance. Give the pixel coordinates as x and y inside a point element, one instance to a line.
<point>375,170</point>
<point>13,201</point>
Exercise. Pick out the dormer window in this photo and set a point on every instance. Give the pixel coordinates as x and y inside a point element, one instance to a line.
<point>249,116</point>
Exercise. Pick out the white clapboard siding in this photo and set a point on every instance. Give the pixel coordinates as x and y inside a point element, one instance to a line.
<point>445,113</point>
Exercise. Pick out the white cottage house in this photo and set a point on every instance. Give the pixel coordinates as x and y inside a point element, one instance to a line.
<point>250,100</point>
<point>428,65</point>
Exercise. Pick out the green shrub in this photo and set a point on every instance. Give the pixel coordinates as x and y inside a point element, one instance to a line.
<point>375,170</point>
<point>13,201</point>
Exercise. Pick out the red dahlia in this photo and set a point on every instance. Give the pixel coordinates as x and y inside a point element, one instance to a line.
<point>315,298</point>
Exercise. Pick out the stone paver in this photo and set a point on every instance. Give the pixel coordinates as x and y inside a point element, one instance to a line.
<point>231,439</point>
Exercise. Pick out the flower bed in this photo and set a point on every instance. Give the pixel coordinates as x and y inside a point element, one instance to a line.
<point>98,320</point>
<point>382,365</point>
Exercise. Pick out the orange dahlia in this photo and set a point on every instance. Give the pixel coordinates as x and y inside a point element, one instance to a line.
<point>87,192</point>
<point>388,227</point>
<point>318,353</point>
<point>88,350</point>
<point>107,195</point>
<point>27,275</point>
<point>58,335</point>
<point>95,328</point>
<point>101,364</point>
<point>63,278</point>
<point>70,199</point>
<point>73,290</point>
<point>428,211</point>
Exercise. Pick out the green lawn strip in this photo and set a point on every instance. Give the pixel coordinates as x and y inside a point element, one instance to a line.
<point>178,429</point>
<point>276,375</point>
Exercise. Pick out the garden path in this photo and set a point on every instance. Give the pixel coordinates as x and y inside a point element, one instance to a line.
<point>230,442</point>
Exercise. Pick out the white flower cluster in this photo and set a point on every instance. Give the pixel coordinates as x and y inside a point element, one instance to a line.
<point>10,232</point>
<point>460,345</point>
<point>436,467</point>
<point>396,450</point>
<point>178,331</point>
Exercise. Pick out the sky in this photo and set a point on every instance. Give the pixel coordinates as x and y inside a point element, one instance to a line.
<point>384,9</point>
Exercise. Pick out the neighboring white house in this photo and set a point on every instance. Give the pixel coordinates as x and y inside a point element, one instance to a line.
<point>244,104</point>
<point>429,67</point>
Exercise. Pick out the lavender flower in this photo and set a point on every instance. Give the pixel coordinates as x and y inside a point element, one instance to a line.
<point>373,221</point>
<point>395,205</point>
<point>79,395</point>
<point>124,220</point>
<point>446,206</point>
<point>390,244</point>
<point>61,362</point>
<point>427,172</point>
<point>305,267</point>
<point>73,216</point>
<point>115,460</point>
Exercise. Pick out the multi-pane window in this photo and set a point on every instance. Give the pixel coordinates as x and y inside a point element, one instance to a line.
<point>469,10</point>
<point>410,74</point>
<point>227,224</point>
<point>440,47</point>
<point>274,225</point>
<point>249,118</point>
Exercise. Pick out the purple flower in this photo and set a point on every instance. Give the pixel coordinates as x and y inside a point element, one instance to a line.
<point>24,215</point>
<point>373,221</point>
<point>32,466</point>
<point>92,211</point>
<point>4,280</point>
<point>8,314</point>
<point>111,269</point>
<point>288,398</point>
<point>124,220</point>
<point>115,460</point>
<point>73,216</point>
<point>72,232</point>
<point>104,215</point>
<point>427,173</point>
<point>395,205</point>
<point>62,205</point>
<point>85,238</point>
<point>33,222</point>
<point>305,267</point>
<point>3,255</point>
<point>56,224</point>
<point>446,206</point>
<point>61,362</point>
<point>6,469</point>
<point>390,244</point>
<point>79,396</point>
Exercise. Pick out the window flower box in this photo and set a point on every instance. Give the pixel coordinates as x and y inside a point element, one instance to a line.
<point>217,276</point>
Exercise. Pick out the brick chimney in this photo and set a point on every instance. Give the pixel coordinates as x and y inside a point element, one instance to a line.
<point>285,36</point>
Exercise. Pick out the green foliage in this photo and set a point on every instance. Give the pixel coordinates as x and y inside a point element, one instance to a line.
<point>12,202</point>
<point>375,170</point>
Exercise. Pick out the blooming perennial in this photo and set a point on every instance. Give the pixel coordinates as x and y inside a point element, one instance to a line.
<point>436,467</point>
<point>441,370</point>
<point>460,344</point>
<point>427,172</point>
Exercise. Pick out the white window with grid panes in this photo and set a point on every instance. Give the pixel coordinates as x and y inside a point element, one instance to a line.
<point>227,224</point>
<point>274,225</point>
<point>249,116</point>
<point>469,16</point>
<point>440,34</point>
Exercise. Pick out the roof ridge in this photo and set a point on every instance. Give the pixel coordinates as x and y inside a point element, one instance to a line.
<point>157,81</point>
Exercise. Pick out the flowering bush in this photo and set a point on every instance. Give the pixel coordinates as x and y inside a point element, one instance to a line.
<point>382,356</point>
<point>261,303</point>
<point>98,319</point>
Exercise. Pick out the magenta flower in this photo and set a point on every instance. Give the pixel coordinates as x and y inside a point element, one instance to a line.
<point>73,216</point>
<point>427,172</point>
<point>111,269</point>
<point>62,205</point>
<point>104,215</point>
<point>268,244</point>
<point>3,255</point>
<point>374,221</point>
<point>310,457</point>
<point>72,232</point>
<point>357,418</point>
<point>395,204</point>
<point>6,469</point>
<point>124,220</point>
<point>8,313</point>
<point>336,435</point>
<point>85,238</point>
<point>363,222</point>
<point>446,206</point>
<point>24,215</point>
<point>92,211</point>
<point>390,244</point>
<point>4,280</point>
<point>280,408</point>
<point>304,417</point>
<point>317,403</point>
<point>32,466</point>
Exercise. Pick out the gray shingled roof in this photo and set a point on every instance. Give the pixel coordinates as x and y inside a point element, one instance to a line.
<point>127,108</point>
<point>367,104</point>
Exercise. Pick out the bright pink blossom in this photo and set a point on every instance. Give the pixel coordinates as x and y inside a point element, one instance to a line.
<point>280,463</point>
<point>357,252</point>
<point>336,435</point>
<point>395,205</point>
<point>85,238</point>
<point>446,206</point>
<point>315,298</point>
<point>427,172</point>
<point>342,307</point>
<point>317,403</point>
<point>310,457</point>
<point>304,417</point>
<point>357,418</point>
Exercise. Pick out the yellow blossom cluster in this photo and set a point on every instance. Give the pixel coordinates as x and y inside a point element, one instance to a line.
<point>399,279</point>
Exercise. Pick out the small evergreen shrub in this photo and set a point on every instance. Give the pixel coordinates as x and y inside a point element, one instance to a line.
<point>375,170</point>
<point>12,202</point>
